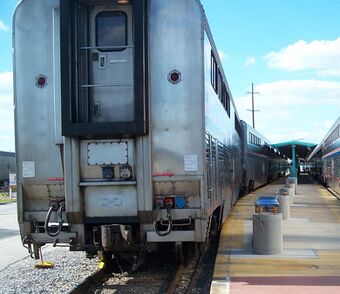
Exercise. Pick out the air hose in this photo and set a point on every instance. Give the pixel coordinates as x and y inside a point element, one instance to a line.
<point>59,209</point>
<point>169,228</point>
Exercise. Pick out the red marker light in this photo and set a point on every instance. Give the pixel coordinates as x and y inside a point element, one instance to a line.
<point>174,76</point>
<point>168,202</point>
<point>41,81</point>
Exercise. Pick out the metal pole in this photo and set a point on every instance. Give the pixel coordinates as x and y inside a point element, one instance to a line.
<point>252,104</point>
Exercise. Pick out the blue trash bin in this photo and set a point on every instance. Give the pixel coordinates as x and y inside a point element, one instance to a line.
<point>266,204</point>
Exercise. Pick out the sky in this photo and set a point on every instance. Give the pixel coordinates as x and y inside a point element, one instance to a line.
<point>289,49</point>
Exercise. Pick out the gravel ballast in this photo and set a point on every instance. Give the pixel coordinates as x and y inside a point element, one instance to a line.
<point>70,268</point>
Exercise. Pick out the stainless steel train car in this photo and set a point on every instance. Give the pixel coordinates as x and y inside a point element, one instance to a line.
<point>127,135</point>
<point>324,161</point>
<point>261,163</point>
<point>7,166</point>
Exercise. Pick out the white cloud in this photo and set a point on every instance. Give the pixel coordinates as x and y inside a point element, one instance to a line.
<point>333,72</point>
<point>3,27</point>
<point>250,60</point>
<point>320,55</point>
<point>293,109</point>
<point>6,112</point>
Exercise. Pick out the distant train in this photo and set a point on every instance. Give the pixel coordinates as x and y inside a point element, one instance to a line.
<point>261,162</point>
<point>127,134</point>
<point>324,161</point>
<point>7,166</point>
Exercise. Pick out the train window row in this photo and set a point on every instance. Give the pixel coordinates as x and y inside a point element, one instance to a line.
<point>333,136</point>
<point>218,84</point>
<point>254,139</point>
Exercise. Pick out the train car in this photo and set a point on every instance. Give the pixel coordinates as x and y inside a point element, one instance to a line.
<point>127,136</point>
<point>325,159</point>
<point>7,166</point>
<point>314,162</point>
<point>261,163</point>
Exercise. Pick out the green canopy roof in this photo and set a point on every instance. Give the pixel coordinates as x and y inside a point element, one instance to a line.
<point>303,149</point>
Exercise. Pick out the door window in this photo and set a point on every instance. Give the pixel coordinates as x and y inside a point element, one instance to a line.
<point>111,30</point>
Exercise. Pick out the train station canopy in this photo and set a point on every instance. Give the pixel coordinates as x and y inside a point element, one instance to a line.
<point>302,149</point>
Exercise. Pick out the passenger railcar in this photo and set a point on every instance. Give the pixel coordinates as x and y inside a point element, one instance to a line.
<point>325,159</point>
<point>261,163</point>
<point>127,135</point>
<point>7,166</point>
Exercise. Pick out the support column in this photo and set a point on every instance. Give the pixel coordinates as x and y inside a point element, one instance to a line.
<point>293,166</point>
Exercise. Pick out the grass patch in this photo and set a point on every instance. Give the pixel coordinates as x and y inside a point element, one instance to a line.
<point>4,198</point>
<point>7,200</point>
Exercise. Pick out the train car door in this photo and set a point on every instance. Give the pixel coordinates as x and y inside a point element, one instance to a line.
<point>108,85</point>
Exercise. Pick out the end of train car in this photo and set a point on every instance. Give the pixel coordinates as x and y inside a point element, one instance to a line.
<point>127,136</point>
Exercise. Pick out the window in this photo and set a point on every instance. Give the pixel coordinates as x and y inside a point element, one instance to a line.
<point>254,139</point>
<point>213,73</point>
<point>227,102</point>
<point>225,98</point>
<point>111,30</point>
<point>220,86</point>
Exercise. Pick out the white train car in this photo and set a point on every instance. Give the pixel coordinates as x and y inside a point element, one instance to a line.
<point>127,136</point>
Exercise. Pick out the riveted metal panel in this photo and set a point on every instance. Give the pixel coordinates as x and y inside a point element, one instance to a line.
<point>105,153</point>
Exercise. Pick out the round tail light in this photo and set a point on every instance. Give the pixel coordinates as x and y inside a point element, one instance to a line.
<point>41,81</point>
<point>174,76</point>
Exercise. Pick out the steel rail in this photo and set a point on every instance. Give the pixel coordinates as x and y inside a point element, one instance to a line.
<point>175,279</point>
<point>97,277</point>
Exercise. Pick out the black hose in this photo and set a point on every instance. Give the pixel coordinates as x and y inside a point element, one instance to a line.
<point>47,220</point>
<point>169,228</point>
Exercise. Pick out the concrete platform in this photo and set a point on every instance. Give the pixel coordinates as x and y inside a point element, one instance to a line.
<point>310,262</point>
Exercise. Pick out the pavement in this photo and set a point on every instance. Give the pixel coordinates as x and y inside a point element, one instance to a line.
<point>10,242</point>
<point>310,261</point>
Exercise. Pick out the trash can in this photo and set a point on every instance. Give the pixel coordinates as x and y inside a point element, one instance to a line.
<point>290,188</point>
<point>292,180</point>
<point>267,226</point>
<point>284,191</point>
<point>284,205</point>
<point>267,233</point>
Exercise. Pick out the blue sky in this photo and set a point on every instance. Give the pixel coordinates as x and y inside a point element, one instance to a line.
<point>290,49</point>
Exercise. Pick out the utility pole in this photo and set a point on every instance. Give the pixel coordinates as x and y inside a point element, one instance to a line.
<point>252,103</point>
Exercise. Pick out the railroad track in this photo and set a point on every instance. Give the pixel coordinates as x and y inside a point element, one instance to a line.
<point>175,280</point>
<point>159,274</point>
<point>96,278</point>
<point>151,278</point>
